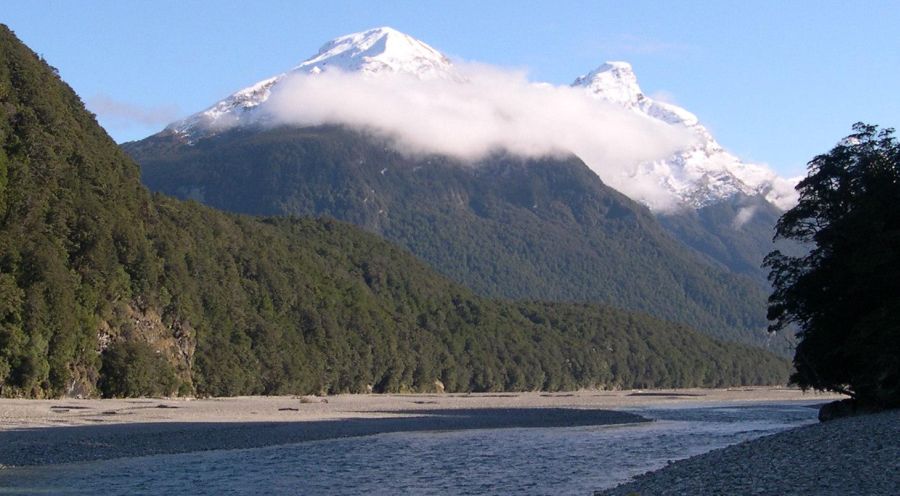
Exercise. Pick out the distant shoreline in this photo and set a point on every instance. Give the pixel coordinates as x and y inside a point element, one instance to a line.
<point>41,432</point>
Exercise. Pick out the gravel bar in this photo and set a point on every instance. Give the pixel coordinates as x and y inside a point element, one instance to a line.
<point>855,455</point>
<point>52,445</point>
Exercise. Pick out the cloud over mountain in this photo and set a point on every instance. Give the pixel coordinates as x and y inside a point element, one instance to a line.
<point>490,110</point>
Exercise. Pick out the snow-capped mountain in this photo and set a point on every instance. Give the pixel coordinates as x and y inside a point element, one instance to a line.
<point>529,224</point>
<point>703,174</point>
<point>699,175</point>
<point>377,51</point>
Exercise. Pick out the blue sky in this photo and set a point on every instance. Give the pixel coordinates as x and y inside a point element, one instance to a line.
<point>776,81</point>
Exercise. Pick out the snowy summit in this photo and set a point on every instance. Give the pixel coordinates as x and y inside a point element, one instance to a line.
<point>377,51</point>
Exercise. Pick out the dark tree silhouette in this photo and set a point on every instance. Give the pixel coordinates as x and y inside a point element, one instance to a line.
<point>844,294</point>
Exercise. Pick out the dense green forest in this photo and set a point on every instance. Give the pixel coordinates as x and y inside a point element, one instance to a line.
<point>108,289</point>
<point>507,226</point>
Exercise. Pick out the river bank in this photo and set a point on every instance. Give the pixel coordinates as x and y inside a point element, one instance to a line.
<point>854,455</point>
<point>27,414</point>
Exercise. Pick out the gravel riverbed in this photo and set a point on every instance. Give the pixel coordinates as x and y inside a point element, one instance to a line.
<point>856,455</point>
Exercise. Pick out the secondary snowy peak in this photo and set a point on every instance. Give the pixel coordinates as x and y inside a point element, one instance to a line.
<point>376,52</point>
<point>614,82</point>
<point>700,175</point>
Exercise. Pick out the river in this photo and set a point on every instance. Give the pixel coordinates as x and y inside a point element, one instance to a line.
<point>552,461</point>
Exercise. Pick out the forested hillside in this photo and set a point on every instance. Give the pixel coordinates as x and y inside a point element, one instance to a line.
<point>510,227</point>
<point>108,289</point>
<point>736,233</point>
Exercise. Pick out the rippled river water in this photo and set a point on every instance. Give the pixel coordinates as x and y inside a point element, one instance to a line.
<point>555,461</point>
